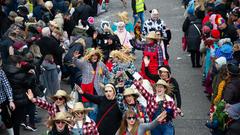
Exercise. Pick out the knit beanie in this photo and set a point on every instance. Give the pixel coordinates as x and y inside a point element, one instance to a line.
<point>215,34</point>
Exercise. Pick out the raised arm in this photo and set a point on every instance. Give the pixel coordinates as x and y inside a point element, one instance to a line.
<point>92,98</point>
<point>148,96</point>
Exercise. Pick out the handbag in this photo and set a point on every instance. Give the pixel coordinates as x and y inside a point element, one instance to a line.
<point>184,43</point>
<point>88,88</point>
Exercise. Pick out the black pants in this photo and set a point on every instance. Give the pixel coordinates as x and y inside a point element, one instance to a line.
<point>195,58</point>
<point>18,118</point>
<point>6,115</point>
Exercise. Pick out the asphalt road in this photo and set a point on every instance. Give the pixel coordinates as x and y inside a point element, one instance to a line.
<point>194,102</point>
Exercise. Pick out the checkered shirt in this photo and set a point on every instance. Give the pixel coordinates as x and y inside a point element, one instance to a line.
<point>5,88</point>
<point>152,104</point>
<point>151,48</point>
<point>90,128</point>
<point>51,108</point>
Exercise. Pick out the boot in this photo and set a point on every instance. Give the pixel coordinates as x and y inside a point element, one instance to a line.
<point>10,131</point>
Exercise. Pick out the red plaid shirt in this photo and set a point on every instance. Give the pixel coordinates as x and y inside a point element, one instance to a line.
<point>152,104</point>
<point>51,108</point>
<point>90,128</point>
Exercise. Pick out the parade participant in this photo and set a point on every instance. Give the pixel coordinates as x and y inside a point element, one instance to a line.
<point>122,63</point>
<point>130,125</point>
<point>154,24</point>
<point>157,103</point>
<point>123,17</point>
<point>164,72</point>
<point>83,125</point>
<point>153,51</point>
<point>59,124</point>
<point>59,105</point>
<point>124,36</point>
<point>109,116</point>
<point>128,100</point>
<point>94,71</point>
<point>6,98</point>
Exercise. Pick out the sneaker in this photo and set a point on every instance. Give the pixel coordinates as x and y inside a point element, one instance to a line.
<point>31,128</point>
<point>23,125</point>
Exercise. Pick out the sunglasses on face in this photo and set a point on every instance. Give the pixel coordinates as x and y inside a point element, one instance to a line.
<point>79,113</point>
<point>58,122</point>
<point>129,118</point>
<point>59,98</point>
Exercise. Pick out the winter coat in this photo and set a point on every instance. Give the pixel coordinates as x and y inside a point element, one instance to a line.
<point>193,37</point>
<point>5,43</point>
<point>82,12</point>
<point>229,32</point>
<point>49,45</point>
<point>20,82</point>
<point>112,120</point>
<point>231,93</point>
<point>49,78</point>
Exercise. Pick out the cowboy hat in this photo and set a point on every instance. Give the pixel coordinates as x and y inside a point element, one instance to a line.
<point>80,107</point>
<point>130,91</point>
<point>60,116</point>
<point>61,93</point>
<point>162,82</point>
<point>153,35</point>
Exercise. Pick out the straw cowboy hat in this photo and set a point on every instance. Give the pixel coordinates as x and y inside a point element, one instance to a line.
<point>60,116</point>
<point>61,93</point>
<point>153,35</point>
<point>93,51</point>
<point>162,82</point>
<point>130,91</point>
<point>79,107</point>
<point>18,19</point>
<point>123,16</point>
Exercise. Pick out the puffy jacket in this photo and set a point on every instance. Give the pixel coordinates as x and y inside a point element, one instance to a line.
<point>20,82</point>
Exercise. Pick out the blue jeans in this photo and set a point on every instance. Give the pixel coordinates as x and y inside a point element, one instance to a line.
<point>164,129</point>
<point>92,114</point>
<point>137,16</point>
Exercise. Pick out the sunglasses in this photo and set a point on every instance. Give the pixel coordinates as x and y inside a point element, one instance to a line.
<point>79,113</point>
<point>129,118</point>
<point>60,98</point>
<point>58,122</point>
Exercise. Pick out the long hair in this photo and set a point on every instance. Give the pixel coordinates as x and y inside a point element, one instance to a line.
<point>35,50</point>
<point>124,125</point>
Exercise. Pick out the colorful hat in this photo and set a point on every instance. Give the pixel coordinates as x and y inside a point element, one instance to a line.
<point>61,93</point>
<point>215,34</point>
<point>130,91</point>
<point>18,45</point>
<point>219,20</point>
<point>80,107</point>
